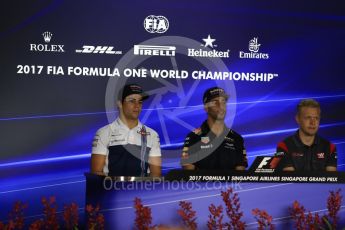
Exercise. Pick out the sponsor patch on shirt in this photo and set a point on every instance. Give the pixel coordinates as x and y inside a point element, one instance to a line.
<point>228,139</point>
<point>229,146</point>
<point>95,141</point>
<point>143,132</point>
<point>205,140</point>
<point>116,135</point>
<point>297,154</point>
<point>197,131</point>
<point>115,141</point>
<point>320,155</point>
<point>186,141</point>
<point>206,146</point>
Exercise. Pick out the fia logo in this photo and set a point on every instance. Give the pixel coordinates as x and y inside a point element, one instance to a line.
<point>254,45</point>
<point>156,24</point>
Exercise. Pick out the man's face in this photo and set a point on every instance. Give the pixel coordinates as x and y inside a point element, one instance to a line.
<point>308,120</point>
<point>131,106</point>
<point>216,108</point>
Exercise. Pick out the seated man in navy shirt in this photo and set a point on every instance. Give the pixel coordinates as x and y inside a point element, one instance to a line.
<point>214,146</point>
<point>306,150</point>
<point>126,147</point>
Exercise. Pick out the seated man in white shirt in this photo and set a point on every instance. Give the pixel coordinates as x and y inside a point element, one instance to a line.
<point>126,147</point>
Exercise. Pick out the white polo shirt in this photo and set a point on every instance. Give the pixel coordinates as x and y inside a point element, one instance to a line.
<point>117,133</point>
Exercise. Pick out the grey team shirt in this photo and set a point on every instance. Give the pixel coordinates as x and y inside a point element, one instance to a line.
<point>117,133</point>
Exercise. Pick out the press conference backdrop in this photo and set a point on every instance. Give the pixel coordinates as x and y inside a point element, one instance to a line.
<point>63,62</point>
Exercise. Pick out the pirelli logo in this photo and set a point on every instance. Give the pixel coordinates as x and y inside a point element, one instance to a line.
<point>148,50</point>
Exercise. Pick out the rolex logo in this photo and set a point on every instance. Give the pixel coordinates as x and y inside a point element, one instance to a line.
<point>47,36</point>
<point>47,47</point>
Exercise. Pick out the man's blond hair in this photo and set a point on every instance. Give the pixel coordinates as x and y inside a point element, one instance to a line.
<point>311,103</point>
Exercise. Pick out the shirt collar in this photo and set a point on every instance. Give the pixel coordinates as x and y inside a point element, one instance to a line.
<point>205,129</point>
<point>120,123</point>
<point>299,142</point>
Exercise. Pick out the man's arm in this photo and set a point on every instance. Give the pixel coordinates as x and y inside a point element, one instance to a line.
<point>155,166</point>
<point>332,160</point>
<point>99,151</point>
<point>188,166</point>
<point>241,158</point>
<point>331,168</point>
<point>240,168</point>
<point>286,159</point>
<point>97,164</point>
<point>288,169</point>
<point>155,159</point>
<point>187,156</point>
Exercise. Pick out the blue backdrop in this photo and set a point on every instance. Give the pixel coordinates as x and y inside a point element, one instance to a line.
<point>47,121</point>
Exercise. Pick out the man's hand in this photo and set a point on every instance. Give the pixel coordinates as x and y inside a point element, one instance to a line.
<point>240,168</point>
<point>289,169</point>
<point>331,168</point>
